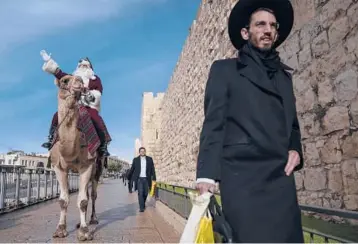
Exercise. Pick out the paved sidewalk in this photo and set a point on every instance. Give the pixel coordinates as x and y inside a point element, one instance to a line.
<point>117,211</point>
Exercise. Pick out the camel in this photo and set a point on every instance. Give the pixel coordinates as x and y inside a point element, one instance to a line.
<point>68,154</point>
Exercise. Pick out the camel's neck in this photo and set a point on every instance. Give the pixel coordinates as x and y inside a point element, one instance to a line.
<point>69,135</point>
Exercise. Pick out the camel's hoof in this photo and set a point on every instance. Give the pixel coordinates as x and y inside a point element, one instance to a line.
<point>60,232</point>
<point>84,234</point>
<point>78,225</point>
<point>93,222</point>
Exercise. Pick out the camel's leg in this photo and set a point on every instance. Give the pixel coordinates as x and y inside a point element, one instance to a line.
<point>82,203</point>
<point>64,200</point>
<point>94,219</point>
<point>79,224</point>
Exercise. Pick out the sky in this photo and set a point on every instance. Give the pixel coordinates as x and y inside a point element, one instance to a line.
<point>132,44</point>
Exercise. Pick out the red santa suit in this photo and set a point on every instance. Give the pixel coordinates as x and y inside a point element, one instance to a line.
<point>95,90</point>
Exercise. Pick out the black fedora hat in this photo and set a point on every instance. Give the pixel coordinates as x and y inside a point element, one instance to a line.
<point>240,15</point>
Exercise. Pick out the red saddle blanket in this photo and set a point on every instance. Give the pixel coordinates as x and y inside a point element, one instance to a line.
<point>89,136</point>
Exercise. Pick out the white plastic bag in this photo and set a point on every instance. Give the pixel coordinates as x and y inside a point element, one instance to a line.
<point>200,206</point>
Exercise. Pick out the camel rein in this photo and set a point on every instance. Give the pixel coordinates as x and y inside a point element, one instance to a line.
<point>72,94</point>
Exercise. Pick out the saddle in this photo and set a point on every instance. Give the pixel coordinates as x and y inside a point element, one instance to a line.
<point>89,137</point>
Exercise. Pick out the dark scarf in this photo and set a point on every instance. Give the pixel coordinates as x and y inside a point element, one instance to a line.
<point>269,61</point>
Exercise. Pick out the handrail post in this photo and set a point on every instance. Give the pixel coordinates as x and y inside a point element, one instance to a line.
<point>69,182</point>
<point>17,189</point>
<point>45,184</point>
<point>3,188</point>
<point>51,179</point>
<point>186,211</point>
<point>56,183</point>
<point>77,181</point>
<point>29,184</point>
<point>38,186</point>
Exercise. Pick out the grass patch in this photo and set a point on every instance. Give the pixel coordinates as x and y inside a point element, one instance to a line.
<point>316,239</point>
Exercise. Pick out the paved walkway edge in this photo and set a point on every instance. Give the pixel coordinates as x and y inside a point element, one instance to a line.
<point>172,218</point>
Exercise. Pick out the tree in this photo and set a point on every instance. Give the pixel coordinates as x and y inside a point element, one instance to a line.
<point>114,166</point>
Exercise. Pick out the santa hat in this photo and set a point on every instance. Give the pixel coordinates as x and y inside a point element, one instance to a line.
<point>85,61</point>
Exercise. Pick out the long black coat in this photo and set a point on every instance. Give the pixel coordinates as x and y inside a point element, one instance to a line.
<point>248,129</point>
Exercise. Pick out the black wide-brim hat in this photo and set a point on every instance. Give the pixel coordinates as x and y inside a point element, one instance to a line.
<point>240,15</point>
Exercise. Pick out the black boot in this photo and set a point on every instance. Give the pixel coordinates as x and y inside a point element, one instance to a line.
<point>103,150</point>
<point>102,137</point>
<point>50,137</point>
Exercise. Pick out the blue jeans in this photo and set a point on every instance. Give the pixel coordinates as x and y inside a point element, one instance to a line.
<point>143,189</point>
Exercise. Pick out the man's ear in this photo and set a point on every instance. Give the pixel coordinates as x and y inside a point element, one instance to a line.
<point>245,34</point>
<point>276,37</point>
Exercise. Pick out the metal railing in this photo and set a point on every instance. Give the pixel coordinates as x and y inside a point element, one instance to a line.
<point>21,187</point>
<point>177,199</point>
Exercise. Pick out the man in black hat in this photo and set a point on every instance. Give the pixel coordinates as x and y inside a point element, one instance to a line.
<point>250,141</point>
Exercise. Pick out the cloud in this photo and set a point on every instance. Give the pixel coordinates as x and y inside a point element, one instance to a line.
<point>27,20</point>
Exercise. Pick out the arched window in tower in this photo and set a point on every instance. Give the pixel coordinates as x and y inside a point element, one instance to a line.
<point>156,134</point>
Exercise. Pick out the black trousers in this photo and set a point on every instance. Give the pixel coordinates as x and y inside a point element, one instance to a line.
<point>130,186</point>
<point>143,189</point>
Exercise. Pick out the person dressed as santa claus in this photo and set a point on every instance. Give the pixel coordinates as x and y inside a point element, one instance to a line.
<point>91,99</point>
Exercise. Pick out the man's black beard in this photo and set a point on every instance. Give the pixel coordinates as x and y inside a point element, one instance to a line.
<point>263,50</point>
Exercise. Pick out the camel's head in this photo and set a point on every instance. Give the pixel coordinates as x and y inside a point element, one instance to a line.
<point>70,86</point>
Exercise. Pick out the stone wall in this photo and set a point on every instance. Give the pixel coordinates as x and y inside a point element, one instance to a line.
<point>150,124</point>
<point>323,50</point>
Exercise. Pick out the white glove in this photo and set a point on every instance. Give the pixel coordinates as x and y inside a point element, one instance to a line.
<point>90,98</point>
<point>50,65</point>
<point>45,56</point>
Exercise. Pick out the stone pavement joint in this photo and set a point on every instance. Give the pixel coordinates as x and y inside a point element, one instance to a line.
<point>118,215</point>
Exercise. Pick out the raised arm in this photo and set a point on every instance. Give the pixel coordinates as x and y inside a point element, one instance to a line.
<point>50,66</point>
<point>213,131</point>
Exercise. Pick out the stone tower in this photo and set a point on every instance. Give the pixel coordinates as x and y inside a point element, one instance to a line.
<point>150,124</point>
<point>137,145</point>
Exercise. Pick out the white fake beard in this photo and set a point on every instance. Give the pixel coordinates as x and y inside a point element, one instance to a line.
<point>85,74</point>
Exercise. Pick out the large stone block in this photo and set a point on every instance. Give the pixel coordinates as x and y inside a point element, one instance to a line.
<point>346,84</point>
<point>315,179</point>
<point>336,118</point>
<point>305,56</point>
<point>351,202</point>
<point>325,92</point>
<point>352,14</point>
<point>309,125</point>
<point>311,154</point>
<point>351,43</point>
<point>331,10</point>
<point>337,31</point>
<point>330,152</point>
<point>320,45</point>
<point>306,101</point>
<point>350,145</point>
<point>298,180</point>
<point>335,182</point>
